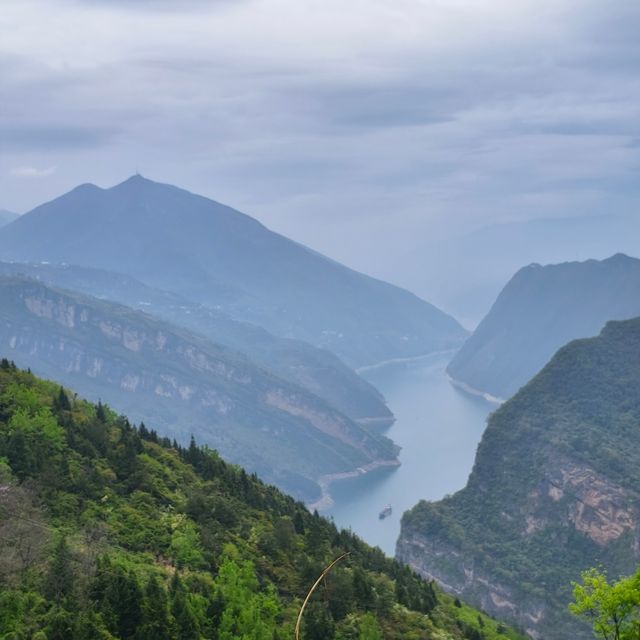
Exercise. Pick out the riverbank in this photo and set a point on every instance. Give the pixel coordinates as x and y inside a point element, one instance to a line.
<point>463,386</point>
<point>438,429</point>
<point>326,501</point>
<point>409,360</point>
<point>382,423</point>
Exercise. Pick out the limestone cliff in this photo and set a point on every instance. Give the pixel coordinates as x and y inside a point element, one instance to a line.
<point>555,489</point>
<point>166,376</point>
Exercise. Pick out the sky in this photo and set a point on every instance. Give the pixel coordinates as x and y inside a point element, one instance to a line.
<point>365,129</point>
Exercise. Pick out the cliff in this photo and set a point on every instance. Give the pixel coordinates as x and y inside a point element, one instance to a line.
<point>555,489</point>
<point>184,384</point>
<point>316,370</point>
<point>538,311</point>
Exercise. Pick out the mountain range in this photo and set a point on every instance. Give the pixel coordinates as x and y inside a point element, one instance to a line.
<point>6,217</point>
<point>554,490</point>
<point>317,370</point>
<point>108,531</point>
<point>214,255</point>
<point>538,311</point>
<point>185,385</point>
<point>465,273</point>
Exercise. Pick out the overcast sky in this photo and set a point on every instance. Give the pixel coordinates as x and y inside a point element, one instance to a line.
<point>359,127</point>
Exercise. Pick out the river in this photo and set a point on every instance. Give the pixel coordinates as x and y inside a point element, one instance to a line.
<point>438,428</point>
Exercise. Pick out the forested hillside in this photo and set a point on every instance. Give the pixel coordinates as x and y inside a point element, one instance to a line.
<point>214,255</point>
<point>185,385</point>
<point>109,532</point>
<point>540,310</point>
<point>555,490</point>
<point>317,370</point>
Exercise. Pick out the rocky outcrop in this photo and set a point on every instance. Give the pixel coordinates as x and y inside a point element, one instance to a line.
<point>317,370</point>
<point>183,384</point>
<point>555,489</point>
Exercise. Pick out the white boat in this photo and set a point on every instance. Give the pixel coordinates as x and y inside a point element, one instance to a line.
<point>386,512</point>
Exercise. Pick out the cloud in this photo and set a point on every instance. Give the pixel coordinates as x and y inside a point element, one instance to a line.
<point>361,128</point>
<point>52,139</point>
<point>32,172</point>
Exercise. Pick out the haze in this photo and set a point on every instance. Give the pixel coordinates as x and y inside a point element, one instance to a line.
<point>368,130</point>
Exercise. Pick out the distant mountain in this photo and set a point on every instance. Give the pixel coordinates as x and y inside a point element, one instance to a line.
<point>316,370</point>
<point>6,217</point>
<point>464,274</point>
<point>539,310</point>
<point>168,376</point>
<point>211,254</point>
<point>555,489</point>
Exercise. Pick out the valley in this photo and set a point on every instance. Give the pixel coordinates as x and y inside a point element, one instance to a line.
<point>319,320</point>
<point>437,427</point>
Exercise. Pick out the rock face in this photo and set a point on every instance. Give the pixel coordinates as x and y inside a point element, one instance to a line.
<point>166,376</point>
<point>555,489</point>
<point>539,310</point>
<point>317,370</point>
<point>213,255</point>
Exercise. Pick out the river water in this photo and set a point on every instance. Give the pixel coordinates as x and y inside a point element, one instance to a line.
<point>438,428</point>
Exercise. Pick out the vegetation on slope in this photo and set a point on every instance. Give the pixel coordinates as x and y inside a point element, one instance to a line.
<point>317,370</point>
<point>540,310</point>
<point>184,384</point>
<point>214,255</point>
<point>555,486</point>
<point>108,531</point>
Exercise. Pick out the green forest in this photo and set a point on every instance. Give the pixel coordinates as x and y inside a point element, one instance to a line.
<point>109,531</point>
<point>579,416</point>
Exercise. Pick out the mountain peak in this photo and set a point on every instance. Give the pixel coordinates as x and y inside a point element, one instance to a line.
<point>137,181</point>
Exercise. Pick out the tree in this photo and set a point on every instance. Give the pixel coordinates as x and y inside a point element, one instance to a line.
<point>62,401</point>
<point>369,629</point>
<point>247,612</point>
<point>612,608</point>
<point>60,578</point>
<point>23,531</point>
<point>155,612</point>
<point>186,621</point>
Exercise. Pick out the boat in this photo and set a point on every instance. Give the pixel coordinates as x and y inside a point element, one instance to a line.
<point>386,512</point>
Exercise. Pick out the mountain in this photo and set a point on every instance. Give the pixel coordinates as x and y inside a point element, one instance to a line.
<point>213,255</point>
<point>168,376</point>
<point>108,531</point>
<point>317,370</point>
<point>6,217</point>
<point>555,489</point>
<point>539,310</point>
<point>464,274</point>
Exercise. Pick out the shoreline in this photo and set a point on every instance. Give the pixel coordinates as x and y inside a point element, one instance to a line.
<point>326,501</point>
<point>463,386</point>
<point>384,421</point>
<point>384,363</point>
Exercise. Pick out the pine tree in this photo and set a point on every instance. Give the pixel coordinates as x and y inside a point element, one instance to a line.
<point>62,401</point>
<point>59,581</point>
<point>156,622</point>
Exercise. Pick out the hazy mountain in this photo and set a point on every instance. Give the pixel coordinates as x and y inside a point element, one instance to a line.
<point>6,217</point>
<point>214,255</point>
<point>539,310</point>
<point>168,376</point>
<point>464,274</point>
<point>317,370</point>
<point>555,489</point>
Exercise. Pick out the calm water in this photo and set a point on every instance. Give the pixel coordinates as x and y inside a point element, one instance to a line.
<point>438,428</point>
